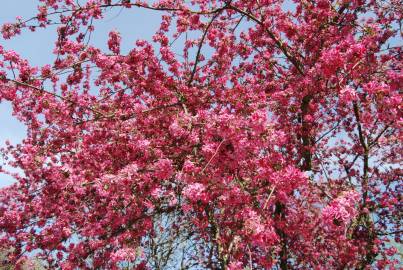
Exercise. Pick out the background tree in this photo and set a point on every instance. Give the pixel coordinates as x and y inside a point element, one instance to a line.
<point>271,141</point>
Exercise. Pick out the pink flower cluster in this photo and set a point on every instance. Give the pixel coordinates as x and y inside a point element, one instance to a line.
<point>240,125</point>
<point>124,255</point>
<point>195,192</point>
<point>114,42</point>
<point>348,95</point>
<point>341,210</point>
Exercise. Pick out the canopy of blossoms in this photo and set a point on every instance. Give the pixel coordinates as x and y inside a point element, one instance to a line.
<point>271,140</point>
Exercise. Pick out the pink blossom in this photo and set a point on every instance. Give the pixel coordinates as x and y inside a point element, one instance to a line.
<point>195,192</point>
<point>114,42</point>
<point>235,266</point>
<point>123,255</point>
<point>176,130</point>
<point>348,94</point>
<point>341,210</point>
<point>163,168</point>
<point>234,126</point>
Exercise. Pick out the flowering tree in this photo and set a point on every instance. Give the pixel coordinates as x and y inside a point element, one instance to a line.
<point>271,141</point>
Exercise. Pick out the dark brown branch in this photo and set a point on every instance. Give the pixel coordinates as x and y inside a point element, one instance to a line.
<point>365,151</point>
<point>42,90</point>
<point>279,43</point>
<point>200,47</point>
<point>306,138</point>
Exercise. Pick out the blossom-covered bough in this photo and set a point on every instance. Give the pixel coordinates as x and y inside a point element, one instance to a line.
<point>272,140</point>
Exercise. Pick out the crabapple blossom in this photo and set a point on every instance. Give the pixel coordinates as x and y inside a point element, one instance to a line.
<point>244,135</point>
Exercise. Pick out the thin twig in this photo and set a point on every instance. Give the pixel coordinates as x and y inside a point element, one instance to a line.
<point>268,198</point>
<point>42,90</point>
<point>216,151</point>
<point>199,49</point>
